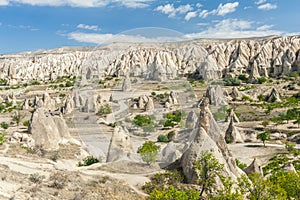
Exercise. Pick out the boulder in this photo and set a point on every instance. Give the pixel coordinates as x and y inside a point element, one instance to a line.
<point>170,153</point>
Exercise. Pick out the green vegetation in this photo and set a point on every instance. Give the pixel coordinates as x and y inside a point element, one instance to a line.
<point>162,138</point>
<point>247,98</point>
<point>17,117</point>
<point>264,136</point>
<point>26,123</point>
<point>142,120</point>
<point>221,113</point>
<point>2,138</point>
<point>171,135</point>
<point>88,161</point>
<point>62,95</point>
<point>262,80</point>
<point>35,83</point>
<point>261,97</point>
<point>290,114</point>
<point>148,152</point>
<point>172,119</point>
<point>232,81</point>
<point>69,84</point>
<point>104,110</point>
<point>3,82</point>
<point>240,164</point>
<point>4,125</point>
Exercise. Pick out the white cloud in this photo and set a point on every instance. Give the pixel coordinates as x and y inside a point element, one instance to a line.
<point>233,28</point>
<point>190,15</point>
<point>101,39</point>
<point>221,10</point>
<point>80,3</point>
<point>171,11</point>
<point>4,2</point>
<point>204,13</point>
<point>264,27</point>
<point>88,27</point>
<point>227,8</point>
<point>260,2</point>
<point>199,5</point>
<point>267,6</point>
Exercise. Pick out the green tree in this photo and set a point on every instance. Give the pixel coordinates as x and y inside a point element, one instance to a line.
<point>264,136</point>
<point>208,169</point>
<point>17,117</point>
<point>162,138</point>
<point>148,152</point>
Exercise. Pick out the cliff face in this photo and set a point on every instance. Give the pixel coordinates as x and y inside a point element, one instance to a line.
<point>272,56</point>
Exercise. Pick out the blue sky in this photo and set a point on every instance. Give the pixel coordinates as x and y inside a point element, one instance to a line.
<point>28,25</point>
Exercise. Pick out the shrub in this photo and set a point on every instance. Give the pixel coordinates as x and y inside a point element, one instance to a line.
<point>26,123</point>
<point>69,84</point>
<point>148,152</point>
<point>162,138</point>
<point>142,120</point>
<point>171,135</point>
<point>262,80</point>
<point>88,161</point>
<point>261,97</point>
<point>293,74</point>
<point>35,83</point>
<point>58,180</point>
<point>104,110</point>
<point>242,77</point>
<point>4,125</point>
<point>62,95</point>
<point>247,98</point>
<point>153,93</point>
<point>240,164</point>
<point>232,82</point>
<point>2,138</point>
<point>36,178</point>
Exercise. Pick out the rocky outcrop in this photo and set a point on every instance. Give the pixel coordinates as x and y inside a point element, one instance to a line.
<point>170,153</point>
<point>145,103</point>
<point>68,105</point>
<point>208,137</point>
<point>236,94</point>
<point>191,120</point>
<point>254,167</point>
<point>232,135</point>
<point>211,59</point>
<point>274,96</point>
<point>120,147</point>
<point>232,116</point>
<point>126,86</point>
<point>48,130</point>
<point>150,105</point>
<point>216,95</point>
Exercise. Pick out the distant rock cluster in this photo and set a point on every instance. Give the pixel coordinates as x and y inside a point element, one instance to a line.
<point>210,59</point>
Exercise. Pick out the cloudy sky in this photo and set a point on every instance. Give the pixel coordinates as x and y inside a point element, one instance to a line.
<point>28,25</point>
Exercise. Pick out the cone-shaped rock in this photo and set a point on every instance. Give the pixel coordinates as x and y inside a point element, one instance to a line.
<point>232,135</point>
<point>216,95</point>
<point>254,167</point>
<point>120,147</point>
<point>208,137</point>
<point>274,96</point>
<point>232,116</point>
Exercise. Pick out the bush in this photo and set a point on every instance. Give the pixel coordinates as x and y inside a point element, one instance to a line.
<point>36,178</point>
<point>261,97</point>
<point>69,84</point>
<point>148,152</point>
<point>62,95</point>
<point>2,138</point>
<point>26,123</point>
<point>240,164</point>
<point>88,161</point>
<point>293,74</point>
<point>232,82</point>
<point>35,83</point>
<point>142,120</point>
<point>4,125</point>
<point>262,80</point>
<point>162,138</point>
<point>104,110</point>
<point>247,98</point>
<point>171,135</point>
<point>58,180</point>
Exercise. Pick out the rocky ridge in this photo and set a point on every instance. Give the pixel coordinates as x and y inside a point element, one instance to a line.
<point>211,59</point>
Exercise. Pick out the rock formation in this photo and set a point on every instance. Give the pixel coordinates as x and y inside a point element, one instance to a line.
<point>191,120</point>
<point>170,153</point>
<point>232,135</point>
<point>150,105</point>
<point>274,96</point>
<point>120,147</point>
<point>254,167</point>
<point>126,86</point>
<point>232,116</point>
<point>48,131</point>
<point>208,137</point>
<point>216,95</point>
<point>236,94</point>
<point>211,59</point>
